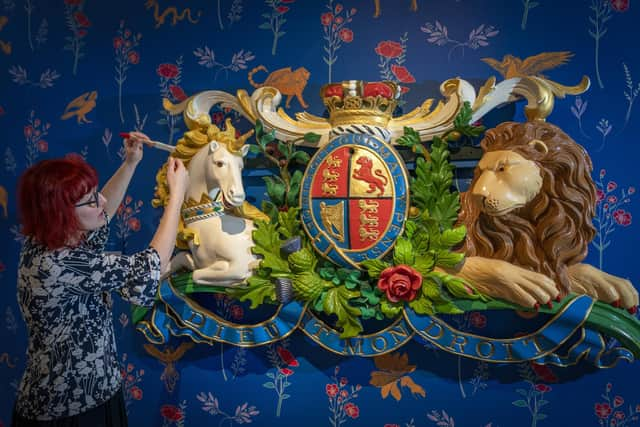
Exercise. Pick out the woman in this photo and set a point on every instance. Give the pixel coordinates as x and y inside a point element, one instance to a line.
<point>72,377</point>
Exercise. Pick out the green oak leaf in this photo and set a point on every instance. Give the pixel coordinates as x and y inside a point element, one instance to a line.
<point>258,290</point>
<point>374,267</point>
<point>403,252</point>
<point>336,302</point>
<point>390,309</point>
<point>422,305</point>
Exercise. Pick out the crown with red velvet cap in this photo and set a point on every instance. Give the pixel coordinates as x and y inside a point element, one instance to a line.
<point>358,102</point>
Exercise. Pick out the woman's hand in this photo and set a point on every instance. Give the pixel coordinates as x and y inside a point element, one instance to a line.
<point>177,178</point>
<point>133,147</point>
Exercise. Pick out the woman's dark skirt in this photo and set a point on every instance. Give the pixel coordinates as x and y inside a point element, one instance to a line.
<point>112,413</point>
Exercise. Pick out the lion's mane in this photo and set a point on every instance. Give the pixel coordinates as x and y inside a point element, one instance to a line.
<point>552,231</point>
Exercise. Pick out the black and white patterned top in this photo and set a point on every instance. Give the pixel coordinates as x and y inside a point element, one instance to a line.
<point>64,296</point>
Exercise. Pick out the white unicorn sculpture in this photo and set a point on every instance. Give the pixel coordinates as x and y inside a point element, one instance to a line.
<point>216,225</point>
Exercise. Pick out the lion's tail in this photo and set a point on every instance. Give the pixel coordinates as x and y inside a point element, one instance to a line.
<point>252,72</point>
<point>379,174</point>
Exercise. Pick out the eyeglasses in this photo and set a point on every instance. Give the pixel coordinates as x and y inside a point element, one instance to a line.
<point>94,202</point>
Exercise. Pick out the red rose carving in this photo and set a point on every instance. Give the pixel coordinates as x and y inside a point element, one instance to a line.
<point>400,283</point>
<point>168,71</point>
<point>375,89</point>
<point>402,74</point>
<point>389,49</point>
<point>171,413</point>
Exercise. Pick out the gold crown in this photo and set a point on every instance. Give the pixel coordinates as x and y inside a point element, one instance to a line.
<point>359,102</point>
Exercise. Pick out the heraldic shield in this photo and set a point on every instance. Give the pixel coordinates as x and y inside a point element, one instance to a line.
<point>354,199</point>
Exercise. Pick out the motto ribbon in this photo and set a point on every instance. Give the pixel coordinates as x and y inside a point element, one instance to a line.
<point>564,340</point>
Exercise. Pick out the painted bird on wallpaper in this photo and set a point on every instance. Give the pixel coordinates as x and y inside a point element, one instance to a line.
<point>168,357</point>
<point>171,10</point>
<point>288,82</point>
<point>4,200</point>
<point>81,106</point>
<point>393,369</point>
<point>512,66</point>
<point>4,46</point>
<point>378,11</point>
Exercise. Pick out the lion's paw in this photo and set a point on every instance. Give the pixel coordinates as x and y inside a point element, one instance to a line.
<point>586,279</point>
<point>500,279</point>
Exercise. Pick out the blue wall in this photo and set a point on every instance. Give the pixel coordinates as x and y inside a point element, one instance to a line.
<point>60,50</point>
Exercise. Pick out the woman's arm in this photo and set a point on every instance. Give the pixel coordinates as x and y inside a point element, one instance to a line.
<point>117,185</point>
<point>165,237</point>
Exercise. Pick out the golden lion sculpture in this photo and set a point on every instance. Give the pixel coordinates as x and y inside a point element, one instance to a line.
<point>528,214</point>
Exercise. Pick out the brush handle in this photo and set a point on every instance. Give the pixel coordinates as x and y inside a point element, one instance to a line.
<point>155,144</point>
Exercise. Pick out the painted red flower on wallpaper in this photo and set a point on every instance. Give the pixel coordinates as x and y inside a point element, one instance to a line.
<point>287,357</point>
<point>622,217</point>
<point>389,49</point>
<point>341,398</point>
<point>352,410</point>
<point>177,92</point>
<point>282,360</point>
<point>326,18</point>
<point>81,19</point>
<point>136,393</point>
<point>286,371</point>
<point>610,198</point>
<point>400,283</point>
<point>402,74</point>
<point>34,132</point>
<point>171,412</point>
<point>620,5</point>
<point>77,22</point>
<point>126,220</point>
<point>346,35</point>
<point>544,373</point>
<point>275,20</point>
<point>134,57</point>
<point>478,320</point>
<point>168,71</point>
<point>602,410</point>
<point>335,31</point>
<point>170,75</point>
<point>331,389</point>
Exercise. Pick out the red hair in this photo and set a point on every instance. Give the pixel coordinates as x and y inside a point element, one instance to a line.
<point>47,194</point>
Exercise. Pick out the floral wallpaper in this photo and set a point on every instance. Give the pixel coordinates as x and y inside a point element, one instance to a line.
<point>76,73</point>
